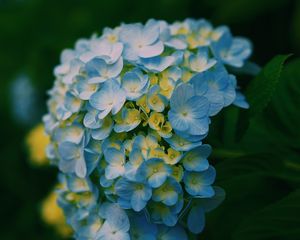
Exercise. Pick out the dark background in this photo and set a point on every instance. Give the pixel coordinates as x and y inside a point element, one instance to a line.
<point>260,173</point>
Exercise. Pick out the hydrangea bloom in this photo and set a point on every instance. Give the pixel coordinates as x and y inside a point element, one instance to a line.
<point>127,116</point>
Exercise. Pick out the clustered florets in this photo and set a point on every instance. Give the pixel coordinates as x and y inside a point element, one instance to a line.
<point>127,116</point>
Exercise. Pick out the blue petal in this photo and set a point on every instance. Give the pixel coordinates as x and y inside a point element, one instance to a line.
<point>114,156</point>
<point>137,202</point>
<point>180,95</point>
<point>151,50</point>
<point>157,179</point>
<point>196,220</point>
<point>104,131</point>
<point>196,159</point>
<point>173,233</point>
<point>124,188</point>
<point>240,101</point>
<point>181,144</point>
<point>92,161</point>
<point>169,219</point>
<point>80,168</point>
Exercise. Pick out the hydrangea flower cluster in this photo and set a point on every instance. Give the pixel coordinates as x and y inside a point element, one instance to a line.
<point>127,116</point>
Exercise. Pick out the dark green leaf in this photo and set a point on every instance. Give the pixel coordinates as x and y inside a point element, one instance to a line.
<point>277,221</point>
<point>262,88</point>
<point>279,126</point>
<point>260,91</point>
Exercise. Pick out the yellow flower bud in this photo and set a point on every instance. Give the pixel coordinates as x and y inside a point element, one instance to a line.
<point>37,141</point>
<point>53,215</point>
<point>142,103</point>
<point>156,120</point>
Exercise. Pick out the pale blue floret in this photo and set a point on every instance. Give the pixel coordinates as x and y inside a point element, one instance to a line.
<point>168,193</point>
<point>73,133</point>
<point>196,216</point>
<point>86,192</point>
<point>135,84</point>
<point>112,232</point>
<point>145,143</point>
<point>127,124</point>
<point>231,51</point>
<point>70,148</point>
<point>50,123</point>
<point>181,144</point>
<point>99,71</point>
<point>110,98</point>
<point>78,185</point>
<point>104,130</point>
<point>192,137</point>
<point>72,103</point>
<point>203,28</point>
<point>196,159</point>
<point>85,223</point>
<point>62,113</point>
<point>164,214</point>
<point>109,33</point>
<point>69,71</point>
<point>141,228</point>
<point>91,119</point>
<point>88,227</point>
<point>104,182</point>
<point>135,194</point>
<point>198,184</point>
<point>131,167</point>
<point>104,49</point>
<point>177,43</point>
<point>66,57</point>
<point>166,37</point>
<point>217,86</point>
<point>198,25</point>
<point>155,171</point>
<point>116,225</point>
<point>110,143</point>
<point>160,63</point>
<point>72,159</point>
<point>92,155</point>
<point>141,41</point>
<point>240,100</point>
<point>116,161</point>
<point>188,112</point>
<point>83,89</point>
<point>156,101</point>
<point>171,233</point>
<point>201,61</point>
<point>175,73</point>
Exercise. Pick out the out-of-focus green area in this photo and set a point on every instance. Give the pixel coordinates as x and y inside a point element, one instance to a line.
<point>260,173</point>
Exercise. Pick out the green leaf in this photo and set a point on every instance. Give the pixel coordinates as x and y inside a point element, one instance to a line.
<point>260,91</point>
<point>262,88</point>
<point>252,183</point>
<point>245,194</point>
<point>277,221</point>
<point>278,127</point>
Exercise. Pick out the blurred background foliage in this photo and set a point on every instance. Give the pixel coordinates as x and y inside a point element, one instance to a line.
<point>258,162</point>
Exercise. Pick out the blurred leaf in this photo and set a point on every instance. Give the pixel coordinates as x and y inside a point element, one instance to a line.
<point>262,87</point>
<point>278,127</point>
<point>245,194</point>
<point>261,90</point>
<point>251,183</point>
<point>277,221</point>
